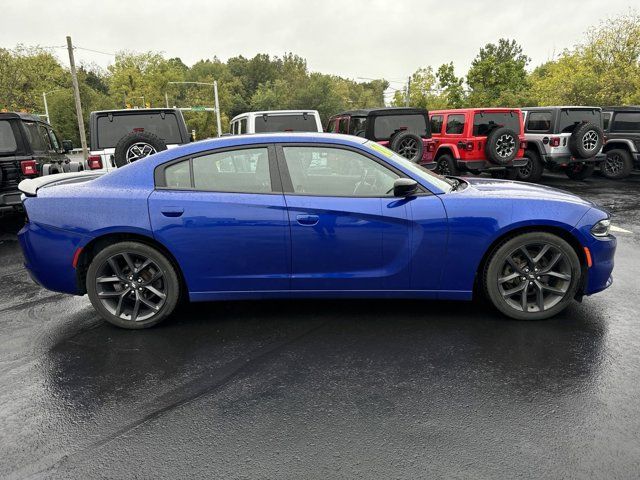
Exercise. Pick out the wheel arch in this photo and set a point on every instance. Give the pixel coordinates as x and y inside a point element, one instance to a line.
<point>534,146</point>
<point>553,229</point>
<point>446,150</point>
<point>617,143</point>
<point>92,248</point>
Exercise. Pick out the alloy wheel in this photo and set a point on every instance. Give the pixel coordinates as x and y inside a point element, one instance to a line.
<point>139,150</point>
<point>443,167</point>
<point>613,164</point>
<point>525,170</point>
<point>590,140</point>
<point>408,148</point>
<point>535,277</point>
<point>131,286</point>
<point>505,145</point>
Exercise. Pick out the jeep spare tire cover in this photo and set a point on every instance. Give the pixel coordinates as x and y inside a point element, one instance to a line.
<point>407,144</point>
<point>137,145</point>
<point>502,145</point>
<point>586,140</point>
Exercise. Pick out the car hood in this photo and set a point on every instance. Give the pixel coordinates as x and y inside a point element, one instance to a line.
<point>489,187</point>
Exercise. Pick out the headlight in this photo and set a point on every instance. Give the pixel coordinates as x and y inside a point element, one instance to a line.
<point>601,229</point>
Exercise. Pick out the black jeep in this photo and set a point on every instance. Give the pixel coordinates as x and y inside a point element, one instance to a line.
<point>622,129</point>
<point>29,147</point>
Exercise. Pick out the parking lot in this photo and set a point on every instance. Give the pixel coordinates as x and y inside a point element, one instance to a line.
<point>325,389</point>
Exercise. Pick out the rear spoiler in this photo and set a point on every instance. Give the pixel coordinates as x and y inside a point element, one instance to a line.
<point>30,186</point>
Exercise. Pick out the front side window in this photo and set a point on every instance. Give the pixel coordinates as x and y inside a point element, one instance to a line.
<point>335,172</point>
<point>436,124</point>
<point>539,121</point>
<point>626,122</point>
<point>570,119</point>
<point>331,126</point>
<point>386,125</point>
<point>358,126</point>
<point>54,139</point>
<point>455,124</point>
<point>483,123</point>
<point>242,126</point>
<point>46,139</point>
<point>343,125</point>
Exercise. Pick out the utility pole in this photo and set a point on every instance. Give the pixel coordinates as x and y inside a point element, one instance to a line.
<point>76,95</point>
<point>406,103</point>
<point>217,106</point>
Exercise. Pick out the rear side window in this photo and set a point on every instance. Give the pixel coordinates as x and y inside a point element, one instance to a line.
<point>386,125</point>
<point>569,119</point>
<point>436,124</point>
<point>358,126</point>
<point>242,126</point>
<point>178,175</point>
<point>35,137</point>
<point>626,122</point>
<point>455,124</point>
<point>244,171</point>
<point>539,121</point>
<point>285,123</point>
<point>7,138</point>
<point>331,126</point>
<point>111,128</point>
<point>483,123</point>
<point>343,125</point>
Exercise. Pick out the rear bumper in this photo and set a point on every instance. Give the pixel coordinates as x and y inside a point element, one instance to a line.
<point>566,159</point>
<point>10,201</point>
<point>486,165</point>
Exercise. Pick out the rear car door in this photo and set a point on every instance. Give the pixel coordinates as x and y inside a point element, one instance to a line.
<point>222,215</point>
<point>347,231</point>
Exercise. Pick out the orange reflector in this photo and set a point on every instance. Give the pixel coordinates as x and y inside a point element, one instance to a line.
<point>588,255</point>
<point>76,256</point>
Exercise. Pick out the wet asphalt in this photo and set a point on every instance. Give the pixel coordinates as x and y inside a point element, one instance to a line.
<point>325,389</point>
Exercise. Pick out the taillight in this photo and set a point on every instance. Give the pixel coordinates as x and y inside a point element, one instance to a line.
<point>95,162</point>
<point>555,141</point>
<point>431,146</point>
<point>29,167</point>
<point>469,146</point>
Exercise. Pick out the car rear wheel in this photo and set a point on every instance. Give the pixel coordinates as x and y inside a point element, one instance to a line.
<point>132,285</point>
<point>617,165</point>
<point>532,276</point>
<point>579,170</point>
<point>446,165</point>
<point>533,169</point>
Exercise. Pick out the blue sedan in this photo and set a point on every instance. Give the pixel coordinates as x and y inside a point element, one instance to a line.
<point>307,216</point>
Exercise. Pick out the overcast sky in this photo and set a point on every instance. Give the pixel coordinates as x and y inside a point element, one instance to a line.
<point>351,38</point>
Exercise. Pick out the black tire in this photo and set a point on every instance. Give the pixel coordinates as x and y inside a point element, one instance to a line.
<point>579,170</point>
<point>446,165</point>
<point>505,174</point>
<point>502,145</point>
<point>113,297</point>
<point>617,165</point>
<point>586,140</point>
<point>508,296</point>
<point>408,145</point>
<point>532,171</point>
<point>137,145</point>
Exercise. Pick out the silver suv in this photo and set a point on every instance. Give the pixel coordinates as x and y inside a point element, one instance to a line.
<point>567,139</point>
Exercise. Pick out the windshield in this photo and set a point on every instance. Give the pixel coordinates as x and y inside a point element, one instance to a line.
<point>111,128</point>
<point>425,174</point>
<point>285,123</point>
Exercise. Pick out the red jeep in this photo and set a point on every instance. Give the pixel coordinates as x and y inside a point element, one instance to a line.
<point>403,130</point>
<point>478,139</point>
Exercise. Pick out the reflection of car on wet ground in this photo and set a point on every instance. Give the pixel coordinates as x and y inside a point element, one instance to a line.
<point>308,215</point>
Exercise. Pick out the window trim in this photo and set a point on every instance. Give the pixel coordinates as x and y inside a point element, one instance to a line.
<point>287,184</point>
<point>160,181</point>
<point>528,119</point>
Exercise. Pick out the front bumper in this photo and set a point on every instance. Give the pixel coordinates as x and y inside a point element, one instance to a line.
<point>566,159</point>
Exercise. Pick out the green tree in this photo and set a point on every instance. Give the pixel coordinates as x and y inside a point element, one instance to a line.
<point>451,86</point>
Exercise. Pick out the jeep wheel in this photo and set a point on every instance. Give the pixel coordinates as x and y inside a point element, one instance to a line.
<point>408,145</point>
<point>586,140</point>
<point>137,145</point>
<point>617,165</point>
<point>446,165</point>
<point>579,170</point>
<point>502,145</point>
<point>532,170</point>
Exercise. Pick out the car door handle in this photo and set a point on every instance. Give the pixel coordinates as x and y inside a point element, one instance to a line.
<point>307,220</point>
<point>172,211</point>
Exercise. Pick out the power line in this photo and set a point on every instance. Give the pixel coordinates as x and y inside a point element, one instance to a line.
<point>95,51</point>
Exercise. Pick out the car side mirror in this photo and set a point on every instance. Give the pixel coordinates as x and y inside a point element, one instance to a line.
<point>67,146</point>
<point>404,187</point>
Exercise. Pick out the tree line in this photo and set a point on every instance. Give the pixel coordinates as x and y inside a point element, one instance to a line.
<point>602,70</point>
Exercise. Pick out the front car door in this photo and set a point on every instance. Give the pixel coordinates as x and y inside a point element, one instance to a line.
<point>348,232</point>
<point>222,215</point>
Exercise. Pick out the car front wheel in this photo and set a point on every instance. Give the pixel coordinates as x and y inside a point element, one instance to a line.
<point>532,276</point>
<point>132,285</point>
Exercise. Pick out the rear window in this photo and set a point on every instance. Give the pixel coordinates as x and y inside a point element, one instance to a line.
<point>112,128</point>
<point>285,123</point>
<point>626,122</point>
<point>570,118</point>
<point>7,138</point>
<point>386,125</point>
<point>483,123</point>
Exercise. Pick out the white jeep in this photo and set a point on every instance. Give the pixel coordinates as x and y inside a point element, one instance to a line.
<point>271,121</point>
